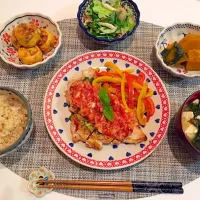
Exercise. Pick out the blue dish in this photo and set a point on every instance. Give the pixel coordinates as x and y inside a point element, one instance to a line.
<point>129,3</point>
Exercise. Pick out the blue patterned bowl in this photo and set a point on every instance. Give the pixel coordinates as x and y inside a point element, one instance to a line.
<point>169,35</point>
<point>129,3</point>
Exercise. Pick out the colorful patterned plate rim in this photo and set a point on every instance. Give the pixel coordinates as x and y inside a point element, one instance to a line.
<point>56,114</point>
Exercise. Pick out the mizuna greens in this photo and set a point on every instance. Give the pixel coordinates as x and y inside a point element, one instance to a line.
<point>108,19</point>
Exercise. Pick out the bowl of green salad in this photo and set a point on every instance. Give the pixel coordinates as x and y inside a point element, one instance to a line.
<point>108,21</point>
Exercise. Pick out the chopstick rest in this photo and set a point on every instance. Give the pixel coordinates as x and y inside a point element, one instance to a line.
<point>41,173</point>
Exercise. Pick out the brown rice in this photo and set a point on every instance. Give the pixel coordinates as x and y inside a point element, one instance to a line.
<point>13,119</point>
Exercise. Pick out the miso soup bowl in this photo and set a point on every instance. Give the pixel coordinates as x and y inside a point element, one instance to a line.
<point>190,148</point>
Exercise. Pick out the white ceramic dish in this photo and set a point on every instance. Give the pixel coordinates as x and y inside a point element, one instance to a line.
<point>56,114</point>
<point>170,34</point>
<point>9,54</point>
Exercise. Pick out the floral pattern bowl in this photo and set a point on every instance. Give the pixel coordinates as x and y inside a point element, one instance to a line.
<point>7,51</point>
<point>171,34</point>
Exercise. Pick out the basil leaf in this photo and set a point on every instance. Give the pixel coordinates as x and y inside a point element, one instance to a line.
<point>108,113</point>
<point>90,80</point>
<point>104,98</point>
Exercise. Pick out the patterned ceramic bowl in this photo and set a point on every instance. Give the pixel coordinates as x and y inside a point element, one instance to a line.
<point>129,3</point>
<point>169,35</point>
<point>29,125</point>
<point>9,54</point>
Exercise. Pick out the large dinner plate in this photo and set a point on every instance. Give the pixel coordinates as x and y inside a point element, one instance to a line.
<point>56,114</point>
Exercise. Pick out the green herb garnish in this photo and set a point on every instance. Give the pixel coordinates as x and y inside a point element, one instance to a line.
<point>90,80</point>
<point>105,100</point>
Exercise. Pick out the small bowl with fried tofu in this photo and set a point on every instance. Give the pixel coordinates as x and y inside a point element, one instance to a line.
<point>178,49</point>
<point>29,40</point>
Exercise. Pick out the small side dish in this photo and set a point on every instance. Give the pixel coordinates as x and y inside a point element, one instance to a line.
<point>191,122</point>
<point>31,42</point>
<point>108,19</point>
<point>109,106</point>
<point>13,119</point>
<point>186,52</point>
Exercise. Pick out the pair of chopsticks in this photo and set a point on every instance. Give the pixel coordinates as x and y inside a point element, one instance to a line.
<point>119,186</point>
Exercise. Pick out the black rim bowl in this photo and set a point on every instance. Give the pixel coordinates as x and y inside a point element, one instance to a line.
<point>81,11</point>
<point>28,124</point>
<point>179,131</point>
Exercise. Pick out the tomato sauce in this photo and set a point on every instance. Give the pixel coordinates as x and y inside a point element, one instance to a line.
<point>86,98</point>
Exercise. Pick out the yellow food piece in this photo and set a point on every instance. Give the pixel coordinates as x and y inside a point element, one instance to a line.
<point>190,42</point>
<point>113,66</point>
<point>131,70</point>
<point>140,106</point>
<point>30,56</point>
<point>123,93</point>
<point>106,79</point>
<point>193,63</point>
<point>27,35</point>
<point>47,41</point>
<point>14,41</point>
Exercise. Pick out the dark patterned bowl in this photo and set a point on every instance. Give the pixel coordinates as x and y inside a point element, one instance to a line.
<point>129,3</point>
<point>179,131</point>
<point>29,125</point>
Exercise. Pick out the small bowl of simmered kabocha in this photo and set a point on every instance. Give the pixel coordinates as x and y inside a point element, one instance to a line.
<point>178,49</point>
<point>29,40</point>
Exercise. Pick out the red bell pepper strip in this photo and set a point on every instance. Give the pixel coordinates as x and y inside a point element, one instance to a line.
<point>142,76</point>
<point>149,106</point>
<point>135,78</point>
<point>130,91</point>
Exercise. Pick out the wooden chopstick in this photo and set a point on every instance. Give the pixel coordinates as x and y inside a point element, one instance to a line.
<point>115,188</point>
<point>87,182</point>
<point>120,186</point>
<point>115,183</point>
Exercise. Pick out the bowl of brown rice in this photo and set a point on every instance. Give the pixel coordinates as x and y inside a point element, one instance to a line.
<point>16,123</point>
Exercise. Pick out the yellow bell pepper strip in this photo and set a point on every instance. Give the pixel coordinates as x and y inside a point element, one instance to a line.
<point>137,85</point>
<point>128,70</point>
<point>140,106</point>
<point>113,66</point>
<point>149,92</point>
<point>103,73</point>
<point>106,79</point>
<point>123,93</point>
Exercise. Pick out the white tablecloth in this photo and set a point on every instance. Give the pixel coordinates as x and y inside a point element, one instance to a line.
<point>160,12</point>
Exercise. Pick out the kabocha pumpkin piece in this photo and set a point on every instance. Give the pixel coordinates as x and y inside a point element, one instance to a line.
<point>173,54</point>
<point>30,56</point>
<point>47,41</point>
<point>14,41</point>
<point>193,63</point>
<point>190,42</point>
<point>27,35</point>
